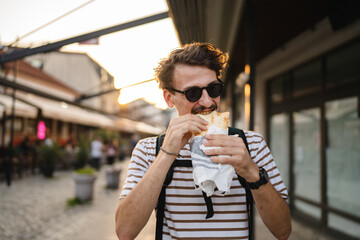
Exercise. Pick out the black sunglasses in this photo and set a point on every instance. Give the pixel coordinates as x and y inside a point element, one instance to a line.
<point>193,94</point>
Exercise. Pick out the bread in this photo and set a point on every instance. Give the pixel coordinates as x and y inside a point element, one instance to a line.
<point>220,120</point>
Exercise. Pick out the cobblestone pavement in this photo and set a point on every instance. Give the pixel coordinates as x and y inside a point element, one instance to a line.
<point>34,208</point>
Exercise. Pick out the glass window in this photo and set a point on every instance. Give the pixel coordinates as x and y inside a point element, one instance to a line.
<point>343,65</point>
<point>307,78</point>
<point>307,155</point>
<point>278,88</point>
<point>343,155</point>
<point>308,209</point>
<point>344,225</point>
<point>279,144</point>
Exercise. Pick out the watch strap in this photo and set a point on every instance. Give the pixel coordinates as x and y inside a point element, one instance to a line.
<point>264,178</point>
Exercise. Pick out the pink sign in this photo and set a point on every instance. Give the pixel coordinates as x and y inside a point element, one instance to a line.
<point>41,130</point>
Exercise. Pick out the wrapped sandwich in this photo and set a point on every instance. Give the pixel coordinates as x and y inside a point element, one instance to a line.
<point>212,178</point>
<point>218,123</point>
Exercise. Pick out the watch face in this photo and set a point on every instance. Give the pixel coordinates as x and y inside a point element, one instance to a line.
<point>265,174</point>
<point>264,178</point>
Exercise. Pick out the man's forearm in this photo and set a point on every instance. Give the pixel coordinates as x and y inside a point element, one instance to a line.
<point>273,210</point>
<point>134,211</point>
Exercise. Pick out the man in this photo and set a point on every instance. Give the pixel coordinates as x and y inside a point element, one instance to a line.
<point>96,153</point>
<point>190,81</point>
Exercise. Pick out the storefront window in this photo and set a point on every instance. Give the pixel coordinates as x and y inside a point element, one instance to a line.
<point>307,79</point>
<point>343,65</point>
<point>318,103</point>
<point>308,209</point>
<point>344,225</point>
<point>278,88</point>
<point>279,144</point>
<point>343,157</point>
<point>307,157</point>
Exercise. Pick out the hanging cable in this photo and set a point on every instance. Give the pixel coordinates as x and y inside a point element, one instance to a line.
<point>87,96</point>
<point>48,23</point>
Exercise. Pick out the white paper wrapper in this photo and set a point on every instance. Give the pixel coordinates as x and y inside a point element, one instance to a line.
<point>212,178</point>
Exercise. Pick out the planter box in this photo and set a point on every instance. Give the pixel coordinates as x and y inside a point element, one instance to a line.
<point>84,186</point>
<point>112,177</point>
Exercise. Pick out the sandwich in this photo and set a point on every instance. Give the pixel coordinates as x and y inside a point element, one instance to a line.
<point>219,120</point>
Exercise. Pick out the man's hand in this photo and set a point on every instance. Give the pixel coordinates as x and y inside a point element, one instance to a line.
<point>272,208</point>
<point>180,131</point>
<point>236,154</point>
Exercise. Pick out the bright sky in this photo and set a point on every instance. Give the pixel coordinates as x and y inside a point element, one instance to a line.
<point>129,55</point>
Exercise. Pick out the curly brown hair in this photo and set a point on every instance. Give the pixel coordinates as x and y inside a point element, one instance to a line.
<point>194,54</point>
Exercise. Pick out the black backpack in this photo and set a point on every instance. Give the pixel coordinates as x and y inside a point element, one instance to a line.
<point>210,211</point>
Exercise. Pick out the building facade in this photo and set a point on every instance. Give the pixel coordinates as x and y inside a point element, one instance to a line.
<point>307,103</point>
<point>294,77</point>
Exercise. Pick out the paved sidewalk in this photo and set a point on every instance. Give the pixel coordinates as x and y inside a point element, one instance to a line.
<point>34,208</point>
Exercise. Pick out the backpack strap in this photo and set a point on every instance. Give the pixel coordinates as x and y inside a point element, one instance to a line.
<point>169,176</point>
<point>249,197</point>
<point>161,201</point>
<point>210,211</point>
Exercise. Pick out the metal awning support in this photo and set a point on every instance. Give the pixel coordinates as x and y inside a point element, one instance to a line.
<point>3,121</point>
<point>17,86</point>
<point>18,54</point>
<point>9,160</point>
<point>87,96</point>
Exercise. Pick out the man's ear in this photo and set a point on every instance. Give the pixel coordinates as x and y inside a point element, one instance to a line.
<point>168,97</point>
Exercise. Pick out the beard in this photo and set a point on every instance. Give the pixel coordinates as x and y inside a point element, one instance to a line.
<point>200,109</point>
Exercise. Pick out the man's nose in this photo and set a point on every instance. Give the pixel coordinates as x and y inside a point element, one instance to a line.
<point>205,100</point>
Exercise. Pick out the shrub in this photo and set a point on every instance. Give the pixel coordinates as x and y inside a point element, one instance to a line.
<point>85,170</point>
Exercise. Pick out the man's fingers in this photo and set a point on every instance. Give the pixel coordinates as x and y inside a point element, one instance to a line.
<point>222,141</point>
<point>180,130</point>
<point>223,160</point>
<point>188,123</point>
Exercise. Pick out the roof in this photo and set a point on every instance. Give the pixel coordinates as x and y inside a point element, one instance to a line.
<point>90,58</point>
<point>27,69</point>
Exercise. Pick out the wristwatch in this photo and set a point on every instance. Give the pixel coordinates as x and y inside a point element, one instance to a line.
<point>264,178</point>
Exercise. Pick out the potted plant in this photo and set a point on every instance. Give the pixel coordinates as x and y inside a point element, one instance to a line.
<point>48,156</point>
<point>84,182</point>
<point>84,176</point>
<point>112,176</point>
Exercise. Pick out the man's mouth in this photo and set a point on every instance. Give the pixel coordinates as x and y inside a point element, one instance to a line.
<point>204,111</point>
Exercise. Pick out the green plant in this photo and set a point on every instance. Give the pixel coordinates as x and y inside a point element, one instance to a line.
<point>85,170</point>
<point>106,135</point>
<point>82,154</point>
<point>74,201</point>
<point>48,156</point>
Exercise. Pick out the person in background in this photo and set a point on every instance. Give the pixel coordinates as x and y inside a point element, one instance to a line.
<point>190,80</point>
<point>110,152</point>
<point>24,155</point>
<point>25,146</point>
<point>69,154</point>
<point>48,140</point>
<point>96,153</point>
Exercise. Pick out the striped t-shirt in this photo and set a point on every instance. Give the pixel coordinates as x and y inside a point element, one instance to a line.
<point>185,208</point>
